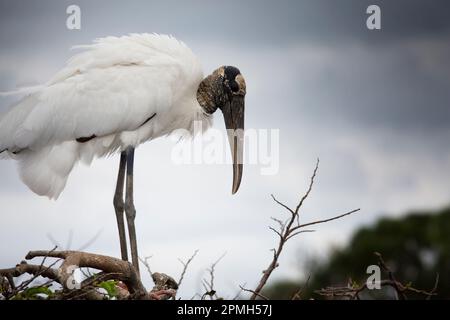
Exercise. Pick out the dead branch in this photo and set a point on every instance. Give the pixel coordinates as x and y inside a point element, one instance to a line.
<point>146,264</point>
<point>123,270</point>
<point>254,292</point>
<point>298,294</point>
<point>185,266</point>
<point>32,269</point>
<point>353,292</point>
<point>42,269</point>
<point>238,294</point>
<point>400,295</point>
<point>209,285</point>
<point>287,230</point>
<point>433,290</point>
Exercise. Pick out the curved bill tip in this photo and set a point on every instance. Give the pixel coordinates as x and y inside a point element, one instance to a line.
<point>237,177</point>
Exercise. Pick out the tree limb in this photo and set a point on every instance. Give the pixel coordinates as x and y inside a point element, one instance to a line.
<point>77,259</point>
<point>288,230</point>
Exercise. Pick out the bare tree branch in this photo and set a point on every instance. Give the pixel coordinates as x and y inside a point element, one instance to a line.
<point>287,230</point>
<point>298,294</point>
<point>352,292</point>
<point>281,204</point>
<point>436,282</point>
<point>77,259</point>
<point>326,220</point>
<point>209,285</point>
<point>37,272</point>
<point>147,265</point>
<point>311,183</point>
<point>238,294</point>
<point>185,266</point>
<point>32,269</point>
<point>254,293</point>
<point>399,293</point>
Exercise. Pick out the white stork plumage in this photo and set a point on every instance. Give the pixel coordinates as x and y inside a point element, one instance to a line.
<point>114,95</point>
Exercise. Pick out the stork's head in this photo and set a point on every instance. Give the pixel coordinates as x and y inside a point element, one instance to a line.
<point>225,89</point>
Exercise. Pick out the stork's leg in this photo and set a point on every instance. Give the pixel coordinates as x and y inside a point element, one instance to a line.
<point>119,206</point>
<point>130,211</point>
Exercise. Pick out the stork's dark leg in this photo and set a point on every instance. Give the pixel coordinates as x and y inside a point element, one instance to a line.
<point>130,211</point>
<point>119,206</point>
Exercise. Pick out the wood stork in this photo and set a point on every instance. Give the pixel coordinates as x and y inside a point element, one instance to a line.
<point>114,95</point>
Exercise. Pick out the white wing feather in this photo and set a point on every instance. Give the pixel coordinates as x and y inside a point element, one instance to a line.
<point>109,89</point>
<point>112,87</point>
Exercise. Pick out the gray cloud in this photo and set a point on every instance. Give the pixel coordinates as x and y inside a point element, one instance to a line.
<point>253,23</point>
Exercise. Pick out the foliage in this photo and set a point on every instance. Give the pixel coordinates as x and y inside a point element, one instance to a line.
<point>110,287</point>
<point>34,293</point>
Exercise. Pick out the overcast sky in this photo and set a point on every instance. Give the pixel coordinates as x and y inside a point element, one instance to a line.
<point>372,105</point>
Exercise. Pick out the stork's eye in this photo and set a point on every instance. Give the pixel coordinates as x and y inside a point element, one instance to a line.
<point>234,86</point>
<point>230,78</point>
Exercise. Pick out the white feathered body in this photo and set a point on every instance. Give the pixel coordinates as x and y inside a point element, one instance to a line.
<point>108,90</point>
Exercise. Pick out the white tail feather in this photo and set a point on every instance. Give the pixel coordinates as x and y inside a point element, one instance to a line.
<point>21,91</point>
<point>46,171</point>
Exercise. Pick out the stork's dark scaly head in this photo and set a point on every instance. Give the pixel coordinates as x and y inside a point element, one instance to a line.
<point>225,89</point>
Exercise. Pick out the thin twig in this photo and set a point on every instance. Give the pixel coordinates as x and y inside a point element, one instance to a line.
<point>254,293</point>
<point>436,282</point>
<point>311,183</point>
<point>297,294</point>
<point>185,266</point>
<point>399,293</point>
<point>209,285</point>
<point>281,204</point>
<point>326,220</point>
<point>147,265</point>
<point>238,294</point>
<point>41,271</point>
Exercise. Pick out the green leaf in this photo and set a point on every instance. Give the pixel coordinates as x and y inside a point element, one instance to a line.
<point>110,287</point>
<point>32,293</point>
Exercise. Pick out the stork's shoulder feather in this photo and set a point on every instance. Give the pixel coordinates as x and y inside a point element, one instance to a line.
<point>135,49</point>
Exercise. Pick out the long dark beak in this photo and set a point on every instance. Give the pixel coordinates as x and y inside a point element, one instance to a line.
<point>233,114</point>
